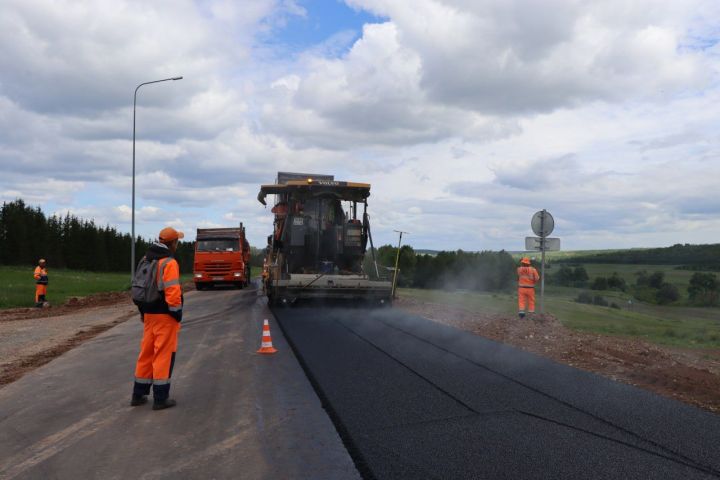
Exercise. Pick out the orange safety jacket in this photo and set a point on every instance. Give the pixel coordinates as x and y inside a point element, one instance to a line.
<point>40,276</point>
<point>168,281</point>
<point>527,276</point>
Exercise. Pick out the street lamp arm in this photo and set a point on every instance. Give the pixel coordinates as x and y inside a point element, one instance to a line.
<point>157,81</point>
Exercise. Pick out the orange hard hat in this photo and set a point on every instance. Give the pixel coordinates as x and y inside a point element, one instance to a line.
<point>168,234</point>
<point>525,261</point>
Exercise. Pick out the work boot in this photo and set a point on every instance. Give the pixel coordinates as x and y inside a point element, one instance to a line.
<point>162,405</point>
<point>138,400</point>
<point>521,315</point>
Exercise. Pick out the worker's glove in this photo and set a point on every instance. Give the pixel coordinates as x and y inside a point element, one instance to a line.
<point>177,315</point>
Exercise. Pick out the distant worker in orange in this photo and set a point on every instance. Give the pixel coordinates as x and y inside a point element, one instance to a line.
<point>527,278</point>
<point>158,295</point>
<point>41,282</point>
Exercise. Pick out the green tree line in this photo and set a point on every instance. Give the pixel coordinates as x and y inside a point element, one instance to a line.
<point>481,271</point>
<point>27,234</point>
<point>692,257</point>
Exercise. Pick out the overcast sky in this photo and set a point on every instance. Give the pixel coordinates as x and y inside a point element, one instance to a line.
<point>467,116</point>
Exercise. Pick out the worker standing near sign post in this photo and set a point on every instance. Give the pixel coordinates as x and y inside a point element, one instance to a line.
<point>527,278</point>
<point>542,224</point>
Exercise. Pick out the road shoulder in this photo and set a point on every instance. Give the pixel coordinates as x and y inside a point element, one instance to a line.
<point>691,376</point>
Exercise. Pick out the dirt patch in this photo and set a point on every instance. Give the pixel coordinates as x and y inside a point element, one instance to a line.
<point>19,367</point>
<point>74,304</point>
<point>691,376</point>
<point>30,338</point>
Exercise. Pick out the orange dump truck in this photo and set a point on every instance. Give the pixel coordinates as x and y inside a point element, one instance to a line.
<point>222,257</point>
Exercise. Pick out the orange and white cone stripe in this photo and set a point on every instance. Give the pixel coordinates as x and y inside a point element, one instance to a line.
<point>266,347</point>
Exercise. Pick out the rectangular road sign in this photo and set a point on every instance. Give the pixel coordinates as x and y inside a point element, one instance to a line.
<point>535,243</point>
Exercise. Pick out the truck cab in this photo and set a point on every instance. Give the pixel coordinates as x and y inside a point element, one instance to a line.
<point>222,257</point>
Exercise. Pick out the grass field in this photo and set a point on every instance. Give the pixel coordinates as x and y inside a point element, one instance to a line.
<point>17,286</point>
<point>675,326</point>
<point>679,278</point>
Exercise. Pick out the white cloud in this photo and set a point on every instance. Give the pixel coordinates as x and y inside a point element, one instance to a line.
<point>465,116</point>
<point>509,57</point>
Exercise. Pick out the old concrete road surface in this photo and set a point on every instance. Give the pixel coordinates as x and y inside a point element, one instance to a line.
<point>239,415</point>
<point>417,400</point>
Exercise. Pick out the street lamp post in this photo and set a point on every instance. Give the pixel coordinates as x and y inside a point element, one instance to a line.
<point>132,245</point>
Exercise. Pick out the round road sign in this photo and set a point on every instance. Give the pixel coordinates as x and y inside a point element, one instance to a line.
<point>542,223</point>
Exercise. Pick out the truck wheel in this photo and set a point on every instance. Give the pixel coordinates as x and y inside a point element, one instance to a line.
<point>199,286</point>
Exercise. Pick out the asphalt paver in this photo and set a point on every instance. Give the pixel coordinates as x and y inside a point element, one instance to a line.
<point>239,414</point>
<point>416,399</point>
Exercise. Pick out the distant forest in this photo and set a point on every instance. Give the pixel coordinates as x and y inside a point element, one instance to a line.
<point>27,234</point>
<point>480,271</point>
<point>705,257</point>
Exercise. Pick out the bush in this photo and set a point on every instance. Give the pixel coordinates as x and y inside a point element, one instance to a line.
<point>600,283</point>
<point>590,299</point>
<point>580,277</point>
<point>615,306</point>
<point>616,282</point>
<point>570,277</point>
<point>704,289</point>
<point>585,297</point>
<point>600,301</point>
<point>656,280</point>
<point>667,293</point>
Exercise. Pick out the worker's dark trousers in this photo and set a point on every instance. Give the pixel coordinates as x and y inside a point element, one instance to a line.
<point>157,356</point>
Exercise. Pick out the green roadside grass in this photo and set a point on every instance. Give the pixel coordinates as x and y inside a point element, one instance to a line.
<point>17,286</point>
<point>685,327</point>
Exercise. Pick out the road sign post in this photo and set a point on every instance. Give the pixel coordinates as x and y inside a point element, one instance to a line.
<point>542,278</point>
<point>542,224</point>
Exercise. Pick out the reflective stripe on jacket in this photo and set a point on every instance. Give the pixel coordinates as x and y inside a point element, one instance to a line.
<point>527,276</point>
<point>169,283</point>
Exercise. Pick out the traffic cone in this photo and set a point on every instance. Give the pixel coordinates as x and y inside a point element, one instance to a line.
<point>266,347</point>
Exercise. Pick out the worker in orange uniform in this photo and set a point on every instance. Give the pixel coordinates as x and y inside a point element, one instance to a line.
<point>161,325</point>
<point>265,273</point>
<point>527,278</point>
<point>41,282</point>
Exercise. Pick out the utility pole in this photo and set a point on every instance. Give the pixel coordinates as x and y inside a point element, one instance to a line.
<point>542,265</point>
<point>132,245</point>
<point>397,261</point>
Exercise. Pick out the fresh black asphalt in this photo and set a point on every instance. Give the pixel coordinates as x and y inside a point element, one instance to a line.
<point>416,399</point>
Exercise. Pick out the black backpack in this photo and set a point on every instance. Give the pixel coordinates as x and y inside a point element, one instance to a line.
<point>144,285</point>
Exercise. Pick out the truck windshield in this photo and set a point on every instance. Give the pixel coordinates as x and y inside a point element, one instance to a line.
<point>218,245</point>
